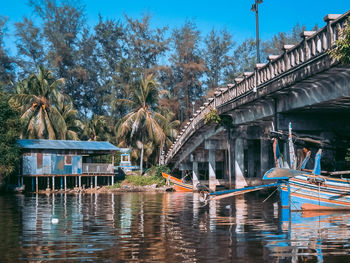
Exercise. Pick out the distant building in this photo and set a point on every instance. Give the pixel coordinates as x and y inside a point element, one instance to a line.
<point>125,161</point>
<point>66,163</point>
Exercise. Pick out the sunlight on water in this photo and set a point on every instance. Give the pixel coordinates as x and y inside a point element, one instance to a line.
<point>171,227</point>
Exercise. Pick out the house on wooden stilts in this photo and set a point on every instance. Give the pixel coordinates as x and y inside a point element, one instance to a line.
<point>63,164</point>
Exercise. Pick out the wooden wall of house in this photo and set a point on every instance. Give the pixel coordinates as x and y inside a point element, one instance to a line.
<point>51,163</point>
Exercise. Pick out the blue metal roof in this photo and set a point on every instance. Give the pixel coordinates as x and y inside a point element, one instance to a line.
<point>67,145</point>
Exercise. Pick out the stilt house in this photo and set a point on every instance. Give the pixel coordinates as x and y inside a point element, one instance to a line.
<point>66,163</point>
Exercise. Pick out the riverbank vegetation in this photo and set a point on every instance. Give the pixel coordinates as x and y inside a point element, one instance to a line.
<point>9,130</point>
<point>152,176</point>
<point>121,80</point>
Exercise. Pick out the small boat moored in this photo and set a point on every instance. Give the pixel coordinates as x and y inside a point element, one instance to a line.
<point>179,185</point>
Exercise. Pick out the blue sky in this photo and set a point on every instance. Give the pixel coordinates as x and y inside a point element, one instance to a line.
<point>234,15</point>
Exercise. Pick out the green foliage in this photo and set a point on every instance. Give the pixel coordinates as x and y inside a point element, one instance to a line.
<point>9,130</point>
<point>116,185</point>
<point>347,155</point>
<point>341,51</point>
<point>212,117</point>
<point>145,180</point>
<point>42,107</point>
<point>157,170</point>
<point>217,57</point>
<point>144,127</point>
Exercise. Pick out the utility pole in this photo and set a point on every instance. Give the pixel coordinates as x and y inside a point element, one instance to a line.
<point>255,8</point>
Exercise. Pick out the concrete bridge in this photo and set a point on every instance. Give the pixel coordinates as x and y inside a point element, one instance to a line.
<point>303,86</point>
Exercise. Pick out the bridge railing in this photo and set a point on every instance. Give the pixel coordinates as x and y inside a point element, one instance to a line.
<point>313,44</point>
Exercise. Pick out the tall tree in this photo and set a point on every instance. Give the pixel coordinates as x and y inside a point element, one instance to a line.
<point>30,49</point>
<point>217,57</point>
<point>142,127</point>
<point>37,100</point>
<point>9,130</point>
<point>62,26</point>
<point>6,62</point>
<point>275,45</point>
<point>187,67</point>
<point>244,57</point>
<point>145,45</point>
<point>115,73</point>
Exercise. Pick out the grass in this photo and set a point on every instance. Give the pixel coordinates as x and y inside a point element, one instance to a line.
<point>145,180</point>
<point>137,180</point>
<point>154,176</point>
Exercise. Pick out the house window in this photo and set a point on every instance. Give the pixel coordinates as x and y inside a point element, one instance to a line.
<point>68,160</point>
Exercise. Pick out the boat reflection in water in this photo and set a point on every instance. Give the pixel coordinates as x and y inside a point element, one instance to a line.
<point>310,235</point>
<point>170,227</point>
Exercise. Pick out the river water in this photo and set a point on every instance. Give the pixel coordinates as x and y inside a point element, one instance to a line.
<point>166,227</point>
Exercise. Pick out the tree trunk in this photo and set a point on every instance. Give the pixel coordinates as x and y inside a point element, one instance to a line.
<point>141,161</point>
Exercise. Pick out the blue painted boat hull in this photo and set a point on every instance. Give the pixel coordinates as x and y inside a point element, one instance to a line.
<point>312,192</point>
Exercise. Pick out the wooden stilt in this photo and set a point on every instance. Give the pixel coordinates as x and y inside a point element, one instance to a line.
<point>48,183</point>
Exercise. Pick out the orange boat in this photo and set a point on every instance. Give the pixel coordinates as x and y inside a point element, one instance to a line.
<point>179,186</point>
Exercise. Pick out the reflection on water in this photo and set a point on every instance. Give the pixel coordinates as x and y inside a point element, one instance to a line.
<point>171,227</point>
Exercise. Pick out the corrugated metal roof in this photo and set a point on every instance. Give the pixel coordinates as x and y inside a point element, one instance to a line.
<point>67,145</point>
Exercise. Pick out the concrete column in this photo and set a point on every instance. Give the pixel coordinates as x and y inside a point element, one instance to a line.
<point>231,161</point>
<point>265,147</point>
<point>79,181</point>
<point>112,179</point>
<point>53,183</point>
<point>76,181</point>
<point>36,183</point>
<point>95,181</point>
<point>212,175</point>
<point>21,180</point>
<point>195,174</point>
<point>91,181</point>
<point>48,183</point>
<point>251,159</point>
<point>240,181</point>
<point>65,183</point>
<point>61,182</point>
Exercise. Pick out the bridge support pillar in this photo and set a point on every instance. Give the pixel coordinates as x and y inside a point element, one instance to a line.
<point>240,181</point>
<point>212,167</point>
<point>265,149</point>
<point>195,174</point>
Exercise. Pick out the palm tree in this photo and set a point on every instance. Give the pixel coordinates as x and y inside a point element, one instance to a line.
<point>37,100</point>
<point>70,116</point>
<point>99,128</point>
<point>143,126</point>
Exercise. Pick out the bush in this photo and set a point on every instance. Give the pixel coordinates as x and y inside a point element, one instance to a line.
<point>157,170</point>
<point>9,131</point>
<point>212,117</point>
<point>145,180</point>
<point>116,185</point>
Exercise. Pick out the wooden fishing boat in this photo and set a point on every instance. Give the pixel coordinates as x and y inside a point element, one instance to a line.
<point>179,185</point>
<point>302,190</point>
